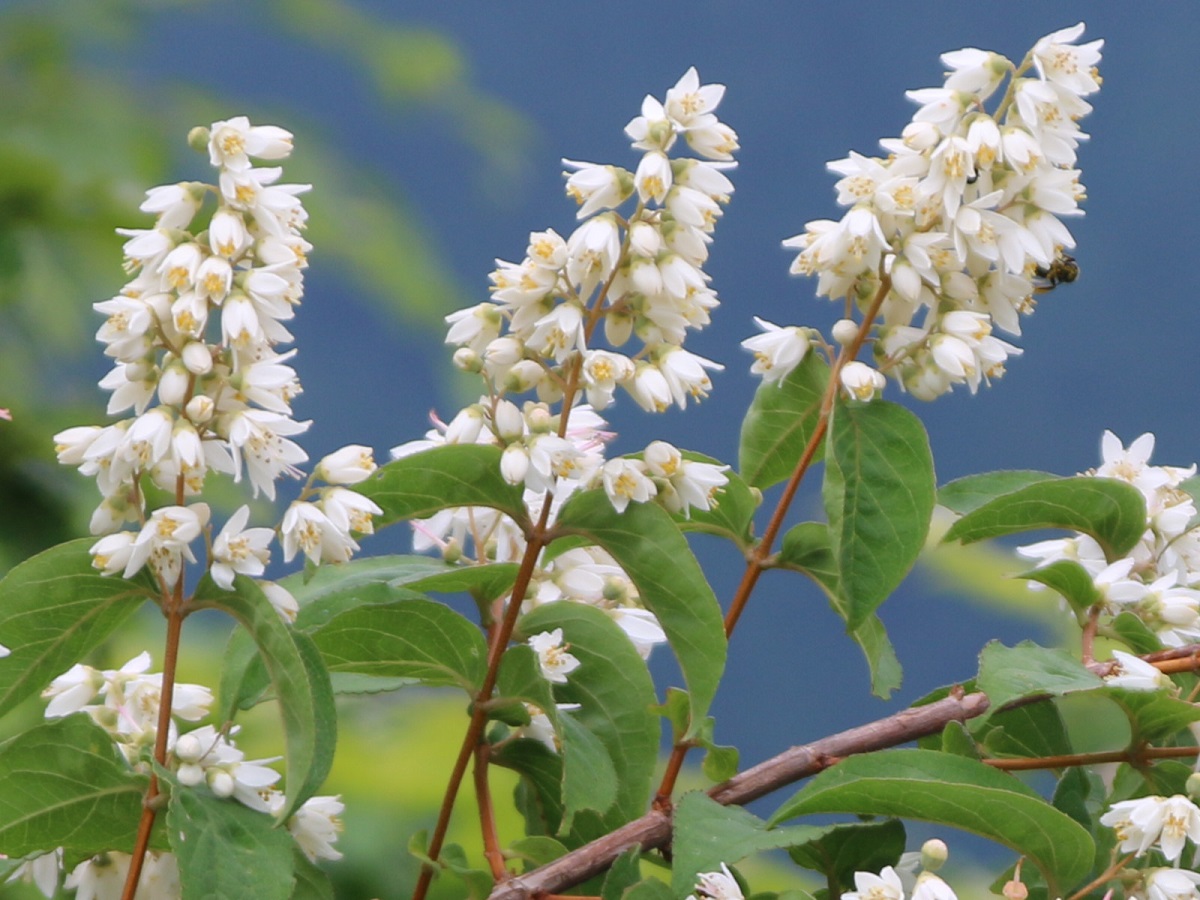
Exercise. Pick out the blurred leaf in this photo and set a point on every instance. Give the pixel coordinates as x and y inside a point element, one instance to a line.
<point>1069,579</point>
<point>842,850</point>
<point>952,790</point>
<point>1111,511</point>
<point>1153,715</point>
<point>55,608</point>
<point>1031,731</point>
<point>64,784</point>
<point>648,545</point>
<point>780,422</point>
<point>311,882</point>
<point>879,496</point>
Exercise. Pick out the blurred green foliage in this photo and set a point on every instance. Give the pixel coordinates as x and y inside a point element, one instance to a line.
<point>84,132</point>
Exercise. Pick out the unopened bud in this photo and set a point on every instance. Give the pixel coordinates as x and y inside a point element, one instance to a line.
<point>173,384</point>
<point>1015,890</point>
<point>190,774</point>
<point>524,375</point>
<point>845,331</point>
<point>1192,785</point>
<point>198,139</point>
<point>934,852</point>
<point>508,423</point>
<point>467,360</point>
<point>188,748</point>
<point>539,418</point>
<point>221,782</point>
<point>199,409</point>
<point>197,358</point>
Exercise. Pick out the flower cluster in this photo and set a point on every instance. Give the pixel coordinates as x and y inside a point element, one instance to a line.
<point>125,702</point>
<point>1158,580</point>
<point>638,276</point>
<point>1165,822</point>
<point>959,224</point>
<point>193,338</point>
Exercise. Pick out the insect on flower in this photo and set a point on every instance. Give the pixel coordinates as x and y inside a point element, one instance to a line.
<point>1063,270</point>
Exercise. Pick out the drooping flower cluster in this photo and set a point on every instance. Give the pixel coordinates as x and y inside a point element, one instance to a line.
<point>193,338</point>
<point>1159,580</point>
<point>640,277</point>
<point>959,223</point>
<point>125,702</point>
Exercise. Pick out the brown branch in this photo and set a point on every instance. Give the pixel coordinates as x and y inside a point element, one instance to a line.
<point>487,819</point>
<point>1064,760</point>
<point>654,829</point>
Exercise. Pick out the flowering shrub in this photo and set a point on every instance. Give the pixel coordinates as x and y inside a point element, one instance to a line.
<point>578,562</point>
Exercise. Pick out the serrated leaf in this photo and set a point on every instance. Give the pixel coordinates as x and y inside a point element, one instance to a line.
<point>1111,511</point>
<point>780,422</point>
<point>1071,580</point>
<point>1153,715</point>
<point>879,497</point>
<point>966,494</point>
<point>806,548</point>
<point>441,478</point>
<point>311,882</point>
<point>845,849</point>
<point>648,545</point>
<point>1033,730</point>
<point>1027,670</point>
<point>625,872</point>
<point>952,790</point>
<point>300,680</point>
<point>226,849</point>
<point>707,834</point>
<point>616,695</point>
<point>589,779</point>
<point>54,609</point>
<point>64,784</point>
<point>416,638</point>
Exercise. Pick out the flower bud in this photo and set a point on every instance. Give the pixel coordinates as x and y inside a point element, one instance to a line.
<point>464,428</point>
<point>845,331</point>
<point>199,409</point>
<point>188,748</point>
<point>1015,890</point>
<point>618,327</point>
<point>197,139</point>
<point>190,774</point>
<point>507,422</point>
<point>514,463</point>
<point>349,465</point>
<point>197,358</point>
<point>1192,786</point>
<point>467,360</point>
<point>173,384</point>
<point>934,852</point>
<point>523,376</point>
<point>220,782</point>
<point>539,418</point>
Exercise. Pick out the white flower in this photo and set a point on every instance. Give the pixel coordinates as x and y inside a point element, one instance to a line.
<point>238,550</point>
<point>234,141</point>
<point>777,351</point>
<point>306,527</point>
<point>111,553</point>
<point>860,381</point>
<point>869,886</point>
<point>556,663</point>
<point>349,510</point>
<point>164,540</point>
<point>41,871</point>
<point>626,480</point>
<point>931,887</point>
<point>1170,884</point>
<point>1068,66</point>
<point>316,826</point>
<point>1135,674</point>
<point>281,599</point>
<point>595,187</point>
<point>717,886</point>
<point>1140,823</point>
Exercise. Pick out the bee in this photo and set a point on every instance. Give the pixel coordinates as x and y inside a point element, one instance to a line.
<point>1063,270</point>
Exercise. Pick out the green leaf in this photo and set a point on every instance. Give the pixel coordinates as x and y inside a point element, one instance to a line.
<point>226,849</point>
<point>720,763</point>
<point>1111,511</point>
<point>536,851</point>
<point>648,889</point>
<point>589,779</point>
<point>54,609</point>
<point>806,548</point>
<point>1069,579</point>
<point>707,834</point>
<point>443,477</point>
<point>952,790</point>
<point>300,681</point>
<point>780,422</point>
<point>647,544</point>
<point>311,882</point>
<point>732,513</point>
<point>625,872</point>
<point>1030,731</point>
<point>879,496</point>
<point>418,639</point>
<point>963,495</point>
<point>1153,715</point>
<point>1135,633</point>
<point>1027,670</point>
<point>64,784</point>
<point>615,692</point>
<point>845,849</point>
